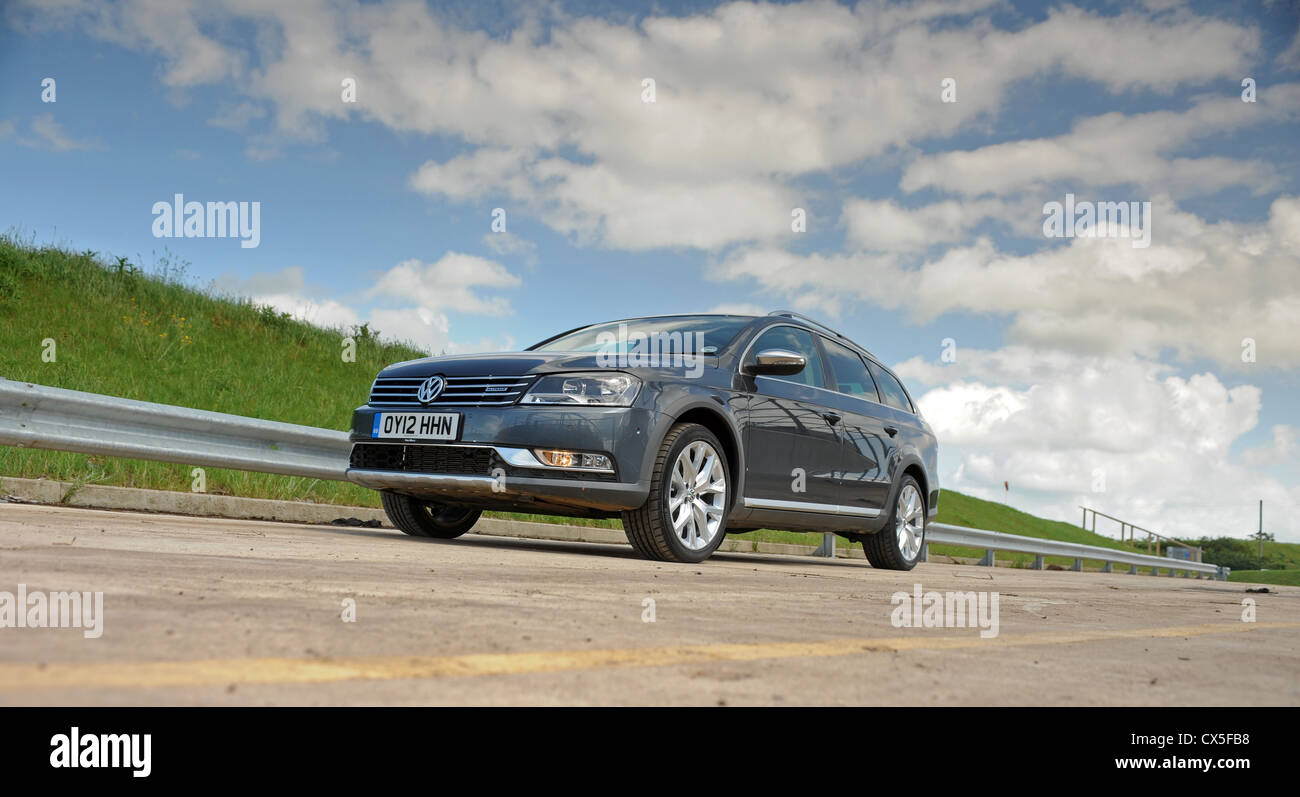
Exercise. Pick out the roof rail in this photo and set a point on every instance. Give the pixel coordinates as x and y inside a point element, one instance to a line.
<point>814,322</point>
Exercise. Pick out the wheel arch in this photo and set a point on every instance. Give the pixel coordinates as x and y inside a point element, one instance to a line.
<point>911,465</point>
<point>716,422</point>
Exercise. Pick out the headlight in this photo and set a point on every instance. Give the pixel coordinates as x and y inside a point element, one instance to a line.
<point>602,389</point>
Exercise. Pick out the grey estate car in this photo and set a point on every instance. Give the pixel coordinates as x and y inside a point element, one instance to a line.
<point>686,426</point>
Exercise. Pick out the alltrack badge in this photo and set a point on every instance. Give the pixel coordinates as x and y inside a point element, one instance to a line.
<point>430,389</point>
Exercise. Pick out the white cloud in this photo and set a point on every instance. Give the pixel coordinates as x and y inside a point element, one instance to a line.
<point>1290,57</point>
<point>287,291</point>
<point>748,96</point>
<point>1116,149</point>
<point>1200,289</point>
<point>450,283</point>
<point>1282,448</point>
<point>599,204</point>
<point>885,226</point>
<point>422,294</point>
<point>327,313</point>
<point>1158,444</point>
<point>506,243</point>
<point>49,135</point>
<point>169,28</point>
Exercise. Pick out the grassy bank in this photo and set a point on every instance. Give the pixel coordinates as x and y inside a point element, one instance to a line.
<point>122,330</point>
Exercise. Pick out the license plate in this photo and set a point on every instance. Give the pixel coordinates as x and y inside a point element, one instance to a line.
<point>416,425</point>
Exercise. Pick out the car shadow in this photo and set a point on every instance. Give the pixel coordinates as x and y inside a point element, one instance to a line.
<point>601,549</point>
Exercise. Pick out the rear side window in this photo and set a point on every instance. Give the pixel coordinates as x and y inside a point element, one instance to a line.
<point>850,373</point>
<point>890,390</point>
<point>798,341</point>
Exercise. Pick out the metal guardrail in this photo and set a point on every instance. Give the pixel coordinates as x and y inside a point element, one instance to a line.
<point>992,541</point>
<point>35,416</point>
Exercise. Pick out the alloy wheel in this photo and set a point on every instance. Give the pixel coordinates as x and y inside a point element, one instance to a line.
<point>909,522</point>
<point>697,495</point>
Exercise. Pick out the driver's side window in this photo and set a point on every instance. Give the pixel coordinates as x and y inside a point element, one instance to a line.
<point>798,341</point>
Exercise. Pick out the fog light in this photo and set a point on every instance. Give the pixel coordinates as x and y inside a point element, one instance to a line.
<point>596,461</point>
<point>558,458</point>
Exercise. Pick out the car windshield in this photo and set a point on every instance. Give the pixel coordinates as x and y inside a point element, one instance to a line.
<point>685,334</point>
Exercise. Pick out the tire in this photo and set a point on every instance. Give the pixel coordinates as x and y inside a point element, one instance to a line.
<point>897,546</point>
<point>687,449</point>
<point>426,518</point>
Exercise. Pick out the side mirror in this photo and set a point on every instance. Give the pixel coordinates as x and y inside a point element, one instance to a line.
<point>777,362</point>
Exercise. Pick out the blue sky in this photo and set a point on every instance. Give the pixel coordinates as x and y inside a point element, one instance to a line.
<point>1074,357</point>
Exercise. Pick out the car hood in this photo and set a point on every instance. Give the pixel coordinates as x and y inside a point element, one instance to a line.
<point>516,364</point>
<point>496,364</point>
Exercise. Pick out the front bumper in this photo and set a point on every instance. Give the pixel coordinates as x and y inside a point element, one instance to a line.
<point>512,492</point>
<point>498,482</point>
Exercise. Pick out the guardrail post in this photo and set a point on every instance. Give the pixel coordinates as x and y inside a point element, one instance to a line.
<point>1155,571</point>
<point>1132,570</point>
<point>1038,562</point>
<point>925,553</point>
<point>1106,568</point>
<point>988,560</point>
<point>1186,574</point>
<point>1077,566</point>
<point>827,548</point>
<point>1172,572</point>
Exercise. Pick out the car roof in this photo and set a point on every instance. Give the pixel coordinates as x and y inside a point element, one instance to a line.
<point>779,316</point>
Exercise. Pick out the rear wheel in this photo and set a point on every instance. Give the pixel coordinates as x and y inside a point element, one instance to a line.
<point>898,545</point>
<point>685,516</point>
<point>427,518</point>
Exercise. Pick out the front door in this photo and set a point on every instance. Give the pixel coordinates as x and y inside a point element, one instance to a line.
<point>793,452</point>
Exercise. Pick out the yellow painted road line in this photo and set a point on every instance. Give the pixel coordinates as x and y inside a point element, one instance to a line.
<point>214,672</point>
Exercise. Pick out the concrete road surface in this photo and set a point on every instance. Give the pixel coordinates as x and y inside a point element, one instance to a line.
<point>209,611</point>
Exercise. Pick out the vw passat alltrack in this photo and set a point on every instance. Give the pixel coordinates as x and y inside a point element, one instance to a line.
<point>686,426</point>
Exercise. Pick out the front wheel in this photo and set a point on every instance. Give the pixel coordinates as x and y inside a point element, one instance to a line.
<point>426,518</point>
<point>898,545</point>
<point>685,516</point>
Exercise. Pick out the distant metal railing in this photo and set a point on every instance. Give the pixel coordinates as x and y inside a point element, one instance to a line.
<point>1126,532</point>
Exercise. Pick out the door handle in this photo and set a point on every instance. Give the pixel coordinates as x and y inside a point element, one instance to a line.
<point>891,430</point>
<point>831,417</point>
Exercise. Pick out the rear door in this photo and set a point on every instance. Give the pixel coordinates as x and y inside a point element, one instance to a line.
<point>901,423</point>
<point>867,448</point>
<point>792,449</point>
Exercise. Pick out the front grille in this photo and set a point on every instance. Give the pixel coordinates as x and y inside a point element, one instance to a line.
<point>467,460</point>
<point>461,391</point>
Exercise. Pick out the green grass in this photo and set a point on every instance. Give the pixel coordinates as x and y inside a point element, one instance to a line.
<point>120,331</point>
<point>151,336</point>
<point>1286,577</point>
